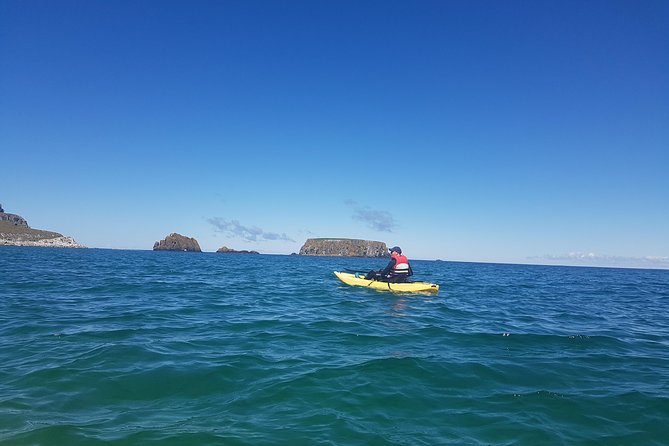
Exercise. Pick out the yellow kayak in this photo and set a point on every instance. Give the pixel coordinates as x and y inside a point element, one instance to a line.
<point>406,287</point>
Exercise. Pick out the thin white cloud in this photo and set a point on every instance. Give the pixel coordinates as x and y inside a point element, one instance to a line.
<point>378,220</point>
<point>232,228</point>
<point>591,258</point>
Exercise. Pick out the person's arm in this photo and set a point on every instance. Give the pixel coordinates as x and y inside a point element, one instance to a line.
<point>389,268</point>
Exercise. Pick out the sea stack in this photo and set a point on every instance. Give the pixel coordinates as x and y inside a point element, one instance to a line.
<point>177,242</point>
<point>343,247</point>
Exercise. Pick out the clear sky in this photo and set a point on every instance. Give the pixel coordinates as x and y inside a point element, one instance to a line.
<point>495,131</point>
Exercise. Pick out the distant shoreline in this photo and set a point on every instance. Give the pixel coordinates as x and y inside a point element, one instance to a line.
<point>14,231</point>
<point>10,236</point>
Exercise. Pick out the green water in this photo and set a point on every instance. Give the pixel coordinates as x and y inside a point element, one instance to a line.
<point>135,347</point>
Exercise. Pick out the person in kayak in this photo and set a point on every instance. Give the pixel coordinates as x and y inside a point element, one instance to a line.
<point>397,270</point>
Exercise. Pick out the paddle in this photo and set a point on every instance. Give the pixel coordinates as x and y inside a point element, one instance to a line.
<point>355,270</point>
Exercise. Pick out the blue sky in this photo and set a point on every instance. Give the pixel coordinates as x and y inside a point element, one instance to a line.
<point>519,131</point>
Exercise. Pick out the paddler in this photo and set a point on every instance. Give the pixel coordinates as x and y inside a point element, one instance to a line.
<point>397,270</point>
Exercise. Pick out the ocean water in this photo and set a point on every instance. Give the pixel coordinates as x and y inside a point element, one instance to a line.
<point>102,347</point>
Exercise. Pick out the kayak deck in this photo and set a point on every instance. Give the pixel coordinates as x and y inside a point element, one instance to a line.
<point>405,287</point>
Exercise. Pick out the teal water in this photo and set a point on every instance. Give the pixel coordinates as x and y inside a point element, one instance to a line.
<point>137,347</point>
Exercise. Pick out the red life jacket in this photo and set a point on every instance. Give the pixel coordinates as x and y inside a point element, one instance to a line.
<point>401,267</point>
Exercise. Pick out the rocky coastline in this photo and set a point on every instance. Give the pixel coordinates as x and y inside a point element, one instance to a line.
<point>226,250</point>
<point>15,231</point>
<point>343,247</point>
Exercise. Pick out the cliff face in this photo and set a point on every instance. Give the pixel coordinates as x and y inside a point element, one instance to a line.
<point>14,219</point>
<point>177,242</point>
<point>343,247</point>
<point>14,231</point>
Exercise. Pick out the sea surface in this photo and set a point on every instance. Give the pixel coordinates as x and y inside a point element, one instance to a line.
<point>104,347</point>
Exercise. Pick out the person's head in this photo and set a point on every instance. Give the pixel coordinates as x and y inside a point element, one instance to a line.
<point>395,249</point>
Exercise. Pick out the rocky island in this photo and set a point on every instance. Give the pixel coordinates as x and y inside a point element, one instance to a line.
<point>177,242</point>
<point>14,231</point>
<point>226,250</point>
<point>343,247</point>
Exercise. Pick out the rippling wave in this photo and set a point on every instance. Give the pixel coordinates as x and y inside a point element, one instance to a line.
<point>129,347</point>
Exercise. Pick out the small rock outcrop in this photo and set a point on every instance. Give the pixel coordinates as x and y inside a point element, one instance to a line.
<point>177,242</point>
<point>14,231</point>
<point>343,247</point>
<point>226,250</point>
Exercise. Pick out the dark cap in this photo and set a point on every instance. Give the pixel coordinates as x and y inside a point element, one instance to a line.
<point>397,249</point>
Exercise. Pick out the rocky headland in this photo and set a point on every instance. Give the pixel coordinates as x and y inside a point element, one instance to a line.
<point>226,250</point>
<point>343,247</point>
<point>177,242</point>
<point>14,231</point>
